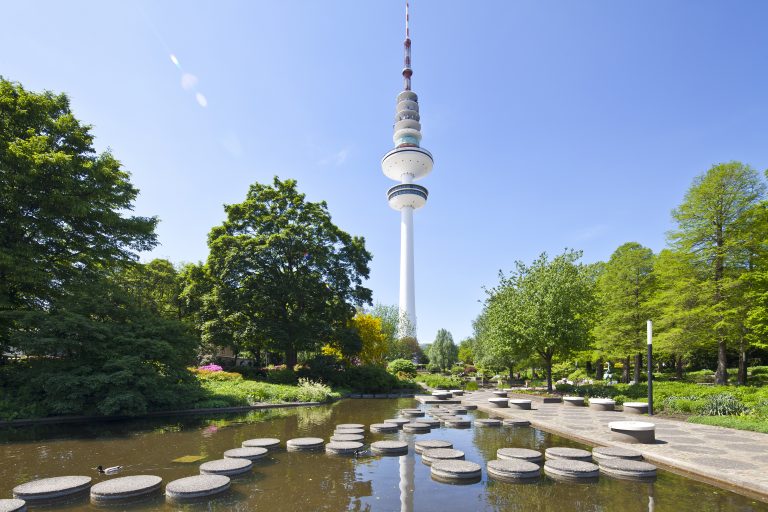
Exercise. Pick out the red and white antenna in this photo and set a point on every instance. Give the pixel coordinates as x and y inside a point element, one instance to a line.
<point>407,71</point>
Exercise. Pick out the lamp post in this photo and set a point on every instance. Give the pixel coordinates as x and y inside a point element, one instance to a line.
<point>650,368</point>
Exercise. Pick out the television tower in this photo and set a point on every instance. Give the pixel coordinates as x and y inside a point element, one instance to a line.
<point>407,163</point>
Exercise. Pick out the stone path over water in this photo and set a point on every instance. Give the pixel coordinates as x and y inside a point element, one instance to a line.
<point>729,457</point>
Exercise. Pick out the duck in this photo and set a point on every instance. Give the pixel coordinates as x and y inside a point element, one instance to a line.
<point>109,471</point>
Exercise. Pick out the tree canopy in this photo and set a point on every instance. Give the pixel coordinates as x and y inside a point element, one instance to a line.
<point>443,351</point>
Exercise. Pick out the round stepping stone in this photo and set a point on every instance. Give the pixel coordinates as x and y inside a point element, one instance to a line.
<point>49,489</point>
<point>559,452</point>
<point>456,471</point>
<point>635,407</point>
<point>389,447</point>
<point>602,453</point>
<point>568,469</point>
<point>432,422</point>
<point>457,422</point>
<point>358,431</point>
<point>433,455</point>
<point>383,428</point>
<point>519,454</point>
<point>125,488</point>
<point>633,431</point>
<point>500,393</point>
<point>431,444</point>
<point>398,421</point>
<point>469,407</point>
<point>487,422</point>
<point>199,486</point>
<point>340,438</point>
<point>343,447</point>
<point>512,469</point>
<point>227,467</point>
<point>499,402</point>
<point>457,392</point>
<point>458,410</point>
<point>13,506</point>
<point>304,444</point>
<point>515,422</point>
<point>522,404</point>
<point>576,401</point>
<point>417,428</point>
<point>441,395</point>
<point>245,453</point>
<point>602,404</point>
<point>349,425</point>
<point>270,443</point>
<point>412,413</point>
<point>627,469</point>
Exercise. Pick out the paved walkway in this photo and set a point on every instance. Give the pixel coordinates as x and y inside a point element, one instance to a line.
<point>727,457</point>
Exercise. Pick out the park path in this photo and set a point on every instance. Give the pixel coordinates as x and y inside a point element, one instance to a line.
<point>727,457</point>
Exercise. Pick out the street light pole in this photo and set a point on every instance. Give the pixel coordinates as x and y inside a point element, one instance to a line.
<point>650,368</point>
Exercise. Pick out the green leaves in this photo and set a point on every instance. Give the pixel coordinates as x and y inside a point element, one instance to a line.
<point>443,352</point>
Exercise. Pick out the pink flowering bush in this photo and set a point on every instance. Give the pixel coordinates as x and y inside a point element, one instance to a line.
<point>210,368</point>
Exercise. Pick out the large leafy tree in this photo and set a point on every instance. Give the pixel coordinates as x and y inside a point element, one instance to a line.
<point>498,344</point>
<point>284,275</point>
<point>714,226</point>
<point>374,342</point>
<point>624,288</point>
<point>443,352</point>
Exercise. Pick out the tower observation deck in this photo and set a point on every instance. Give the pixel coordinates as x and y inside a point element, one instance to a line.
<point>406,163</point>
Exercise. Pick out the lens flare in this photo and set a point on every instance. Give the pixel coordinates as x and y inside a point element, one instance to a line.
<point>201,99</point>
<point>188,81</point>
<point>175,61</point>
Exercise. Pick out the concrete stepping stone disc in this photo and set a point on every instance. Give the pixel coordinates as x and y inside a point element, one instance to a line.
<point>194,487</point>
<point>235,466</point>
<point>458,410</point>
<point>519,454</point>
<point>441,395</point>
<point>349,425</point>
<point>577,401</point>
<point>627,469</point>
<point>245,453</point>
<point>457,392</point>
<point>49,489</point>
<point>522,404</point>
<point>512,469</point>
<point>602,453</point>
<point>469,407</point>
<point>398,421</point>
<point>432,422</point>
<point>457,422</point>
<point>433,455</point>
<point>340,438</point>
<point>602,404</point>
<point>125,488</point>
<point>515,422</point>
<point>559,452</point>
<point>412,413</point>
<point>384,428</point>
<point>487,422</point>
<point>635,408</point>
<point>389,447</point>
<point>359,431</point>
<point>417,428</point>
<point>304,443</point>
<point>633,431</point>
<point>569,469</point>
<point>499,402</point>
<point>343,447</point>
<point>13,505</point>
<point>270,443</point>
<point>431,444</point>
<point>456,471</point>
<point>500,393</point>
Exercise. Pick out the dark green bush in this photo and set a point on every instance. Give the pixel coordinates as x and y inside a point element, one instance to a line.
<point>282,376</point>
<point>439,381</point>
<point>403,368</point>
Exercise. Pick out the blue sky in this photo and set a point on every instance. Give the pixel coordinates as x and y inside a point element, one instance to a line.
<point>553,124</point>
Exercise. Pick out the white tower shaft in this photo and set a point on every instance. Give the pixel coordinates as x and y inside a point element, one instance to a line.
<point>407,323</point>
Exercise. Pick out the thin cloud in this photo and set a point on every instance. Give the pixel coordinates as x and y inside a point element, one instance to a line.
<point>589,233</point>
<point>337,159</point>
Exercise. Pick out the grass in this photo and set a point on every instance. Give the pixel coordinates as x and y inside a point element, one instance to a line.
<point>436,381</point>
<point>753,423</point>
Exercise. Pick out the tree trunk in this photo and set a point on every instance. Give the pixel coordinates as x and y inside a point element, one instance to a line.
<point>290,358</point>
<point>638,365</point>
<point>588,367</point>
<point>741,380</point>
<point>533,374</point>
<point>548,363</point>
<point>721,375</point>
<point>679,367</point>
<point>599,370</point>
<point>511,376</point>
<point>625,372</point>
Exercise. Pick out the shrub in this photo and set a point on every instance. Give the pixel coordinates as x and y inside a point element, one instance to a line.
<point>369,379</point>
<point>682,404</point>
<point>439,381</point>
<point>210,368</point>
<point>471,386</point>
<point>281,376</point>
<point>218,375</point>
<point>402,368</point>
<point>723,404</point>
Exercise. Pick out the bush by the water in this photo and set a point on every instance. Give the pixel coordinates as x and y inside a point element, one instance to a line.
<point>403,368</point>
<point>238,392</point>
<point>436,381</point>
<point>363,378</point>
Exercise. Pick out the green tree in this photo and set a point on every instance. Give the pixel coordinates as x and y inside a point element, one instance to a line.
<point>443,351</point>
<point>499,346</point>
<point>155,286</point>
<point>466,348</point>
<point>714,226</point>
<point>284,275</point>
<point>624,288</point>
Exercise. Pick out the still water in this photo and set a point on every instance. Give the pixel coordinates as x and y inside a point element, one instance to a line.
<point>301,481</point>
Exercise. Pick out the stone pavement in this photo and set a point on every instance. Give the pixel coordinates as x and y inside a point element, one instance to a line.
<point>726,457</point>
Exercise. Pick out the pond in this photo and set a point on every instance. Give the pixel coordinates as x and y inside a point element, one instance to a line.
<point>288,481</point>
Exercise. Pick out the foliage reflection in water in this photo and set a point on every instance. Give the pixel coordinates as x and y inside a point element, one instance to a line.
<point>290,481</point>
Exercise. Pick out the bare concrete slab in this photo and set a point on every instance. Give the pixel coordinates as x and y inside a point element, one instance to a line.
<point>196,487</point>
<point>389,447</point>
<point>304,444</point>
<point>513,470</point>
<point>433,455</point>
<point>734,459</point>
<point>337,438</point>
<point>226,467</point>
<point>126,488</point>
<point>456,471</point>
<point>51,489</point>
<point>430,444</point>
<point>246,453</point>
<point>270,443</point>
<point>519,454</point>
